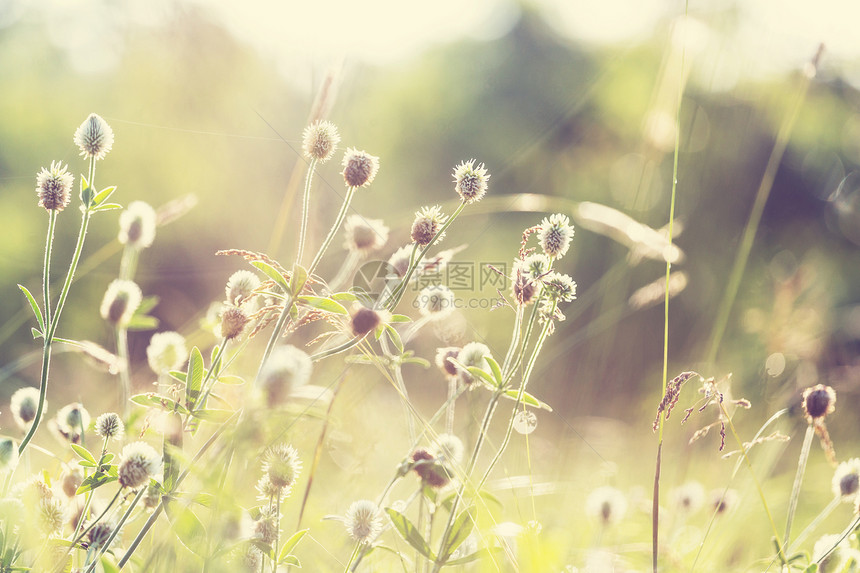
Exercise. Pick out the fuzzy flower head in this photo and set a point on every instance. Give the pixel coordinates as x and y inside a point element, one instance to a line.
<point>447,367</point>
<point>166,351</point>
<point>121,300</point>
<point>470,182</point>
<point>523,286</point>
<point>837,560</point>
<point>364,320</point>
<point>54,187</point>
<point>24,404</point>
<point>363,521</point>
<point>554,234</point>
<point>138,462</point>
<point>428,221</point>
<point>436,301</point>
<point>233,322</point>
<point>267,526</point>
<point>72,420</point>
<point>282,465</point>
<point>364,235</point>
<point>449,448</point>
<point>94,137</point>
<point>359,168</point>
<point>688,498</point>
<point>109,425</point>
<point>818,402</point>
<point>240,287</point>
<point>724,500</point>
<point>432,471</point>
<point>606,504</point>
<point>536,265</point>
<point>52,515</point>
<point>319,140</point>
<point>137,225</point>
<point>846,480</point>
<point>100,533</point>
<point>473,354</point>
<point>560,286</point>
<point>286,369</point>
<point>8,454</point>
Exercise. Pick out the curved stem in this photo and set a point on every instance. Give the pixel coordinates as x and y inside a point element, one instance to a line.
<point>341,215</point>
<point>798,480</point>
<point>117,529</point>
<point>306,201</point>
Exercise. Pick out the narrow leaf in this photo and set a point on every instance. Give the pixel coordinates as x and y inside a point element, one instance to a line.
<point>480,554</point>
<point>494,368</point>
<point>345,296</point>
<point>140,322</point>
<point>188,527</point>
<point>410,533</point>
<point>394,337</point>
<point>298,279</point>
<point>213,415</point>
<point>103,195</point>
<point>84,453</point>
<point>322,303</point>
<point>107,207</point>
<point>460,530</point>
<point>291,544</point>
<point>34,306</point>
<point>273,274</point>
<point>194,378</point>
<point>163,402</point>
<point>527,399</point>
<point>399,318</point>
<point>147,304</point>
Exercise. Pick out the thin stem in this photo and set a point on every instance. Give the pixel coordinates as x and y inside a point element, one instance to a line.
<point>128,264</point>
<point>798,480</point>
<point>352,558</point>
<point>96,520</point>
<point>46,273</point>
<point>117,529</point>
<point>277,533</point>
<point>124,375</point>
<point>306,201</point>
<point>813,525</point>
<point>334,229</point>
<point>452,393</point>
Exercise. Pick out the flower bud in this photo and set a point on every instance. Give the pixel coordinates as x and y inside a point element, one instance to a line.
<point>137,225</point>
<point>121,299</point>
<point>364,235</point>
<point>138,462</point>
<point>359,168</point>
<point>364,320</point>
<point>554,234</point>
<point>54,186</point>
<point>320,140</point>
<point>428,222</point>
<point>818,402</point>
<point>94,137</point>
<point>166,351</point>
<point>470,182</point>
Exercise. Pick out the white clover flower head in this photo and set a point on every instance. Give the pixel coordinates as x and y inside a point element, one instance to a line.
<point>436,301</point>
<point>536,265</point>
<point>363,521</point>
<point>688,498</point>
<point>109,425</point>
<point>121,300</point>
<point>364,235</point>
<point>166,351</point>
<point>241,286</point>
<point>560,286</point>
<point>428,222</point>
<point>267,527</point>
<point>138,463</point>
<point>473,354</point>
<point>442,362</point>
<point>449,448</point>
<point>818,402</point>
<point>137,225</point>
<point>267,491</point>
<point>554,234</point>
<point>233,322</point>
<point>52,515</point>
<point>470,182</point>
<point>94,137</point>
<point>846,480</point>
<point>606,504</point>
<point>24,404</point>
<point>282,465</point>
<point>320,140</point>
<point>286,369</point>
<point>73,419</point>
<point>100,533</point>
<point>359,167</point>
<point>54,187</point>
<point>8,454</point>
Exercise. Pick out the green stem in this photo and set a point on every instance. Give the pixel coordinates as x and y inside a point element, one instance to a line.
<point>117,529</point>
<point>46,274</point>
<point>306,201</point>
<point>96,520</point>
<point>334,229</point>
<point>128,264</point>
<point>124,375</point>
<point>798,480</point>
<point>277,533</point>
<point>825,513</point>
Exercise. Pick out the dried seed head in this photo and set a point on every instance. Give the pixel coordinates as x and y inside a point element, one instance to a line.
<point>8,454</point>
<point>54,187</point>
<point>286,369</point>
<point>99,534</point>
<point>436,301</point>
<point>364,235</point>
<point>554,234</point>
<point>282,465</point>
<point>166,351</point>
<point>138,462</point>
<point>428,221</point>
<point>240,287</point>
<point>431,471</point>
<point>470,182</point>
<point>560,286</point>
<point>233,322</point>
<point>137,225</point>
<point>319,140</point>
<point>818,402</point>
<point>359,168</point>
<point>473,354</point>
<point>846,480</point>
<point>109,425</point>
<point>363,521</point>
<point>364,320</point>
<point>94,137</point>
<point>121,300</point>
<point>24,404</point>
<point>442,362</point>
<point>606,504</point>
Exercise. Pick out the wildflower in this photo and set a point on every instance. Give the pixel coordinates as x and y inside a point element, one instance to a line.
<point>94,137</point>
<point>52,515</point>
<point>233,322</point>
<point>72,420</point>
<point>364,235</point>
<point>818,402</point>
<point>846,480</point>
<point>606,504</point>
<point>523,286</point>
<point>109,425</point>
<point>166,351</point>
<point>436,301</point>
<point>359,168</point>
<point>137,225</point>
<point>138,462</point>
<point>536,265</point>
<point>269,491</point>
<point>319,140</point>
<point>428,221</point>
<point>282,465</point>
<point>837,559</point>
<point>473,354</point>
<point>724,500</point>
<point>560,286</point>
<point>470,181</point>
<point>449,447</point>
<point>688,498</point>
<point>24,403</point>
<point>442,355</point>
<point>8,454</point>
<point>54,186</point>
<point>363,521</point>
<point>431,470</point>
<point>251,559</point>
<point>241,286</point>
<point>267,527</point>
<point>286,369</point>
<point>121,300</point>
<point>99,534</point>
<point>554,234</point>
<point>364,320</point>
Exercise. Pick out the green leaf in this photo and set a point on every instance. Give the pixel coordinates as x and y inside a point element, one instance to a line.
<point>410,533</point>
<point>36,333</point>
<point>497,372</point>
<point>399,318</point>
<point>147,304</point>
<point>322,303</point>
<point>108,566</point>
<point>213,415</point>
<point>811,569</point>
<point>103,195</point>
<point>394,337</point>
<point>178,375</point>
<point>87,193</point>
<point>460,530</point>
<point>94,481</point>
<point>188,527</point>
<point>163,402</point>
<point>35,307</point>
<point>171,446</point>
<point>344,296</point>
<point>273,274</point>
<point>480,554</point>
<point>194,378</point>
<point>527,399</point>
<point>142,322</point>
<point>416,360</point>
<point>291,560</point>
<point>298,279</point>
<point>84,453</point>
<point>107,207</point>
<point>231,379</point>
<point>290,544</point>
